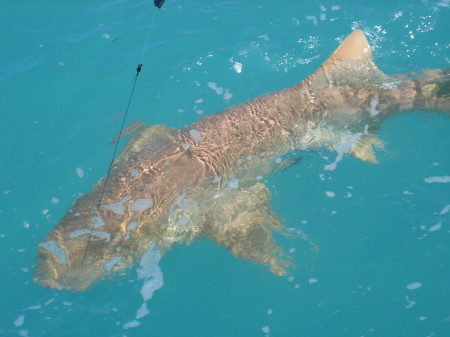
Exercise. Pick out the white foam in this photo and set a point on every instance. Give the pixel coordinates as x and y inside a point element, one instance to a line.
<point>150,272</point>
<point>132,324</point>
<point>53,248</point>
<point>265,329</point>
<point>80,172</point>
<point>213,86</point>
<point>438,179</point>
<point>142,311</point>
<point>131,226</point>
<point>97,221</point>
<point>23,333</point>
<point>343,148</point>
<point>34,307</point>
<point>152,277</point>
<point>142,204</point>
<point>227,95</point>
<point>296,21</point>
<point>444,3</point>
<point>414,285</point>
<point>116,207</point>
<point>233,183</point>
<point>26,224</point>
<point>220,91</point>
<point>178,201</point>
<point>330,194</point>
<point>112,262</point>
<point>446,209</point>
<point>196,135</point>
<point>151,285</point>
<point>54,200</point>
<point>102,235</point>
<point>410,303</point>
<point>373,105</point>
<point>312,18</point>
<point>436,227</point>
<point>19,321</point>
<point>237,66</point>
<point>313,280</point>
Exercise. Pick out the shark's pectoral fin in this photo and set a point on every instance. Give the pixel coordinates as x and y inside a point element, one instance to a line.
<point>134,126</point>
<point>242,221</point>
<point>150,139</point>
<point>363,148</point>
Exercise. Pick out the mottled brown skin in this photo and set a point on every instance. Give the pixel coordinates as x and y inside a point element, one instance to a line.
<point>204,180</point>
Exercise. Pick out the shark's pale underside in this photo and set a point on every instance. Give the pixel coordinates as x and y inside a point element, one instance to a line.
<point>173,186</point>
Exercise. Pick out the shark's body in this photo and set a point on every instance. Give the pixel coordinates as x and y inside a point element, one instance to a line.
<point>169,187</point>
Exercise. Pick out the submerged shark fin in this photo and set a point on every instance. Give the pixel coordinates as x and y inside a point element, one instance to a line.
<point>351,64</point>
<point>363,148</point>
<point>150,139</point>
<point>135,126</point>
<point>242,221</point>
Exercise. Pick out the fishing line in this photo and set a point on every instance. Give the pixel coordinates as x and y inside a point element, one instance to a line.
<point>138,70</point>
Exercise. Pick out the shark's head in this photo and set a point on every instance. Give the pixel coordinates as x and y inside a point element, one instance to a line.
<point>61,266</point>
<point>89,244</point>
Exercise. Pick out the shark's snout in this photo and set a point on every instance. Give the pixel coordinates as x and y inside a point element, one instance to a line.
<point>51,272</point>
<point>45,274</point>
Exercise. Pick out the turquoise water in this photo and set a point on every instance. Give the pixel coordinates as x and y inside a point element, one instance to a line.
<point>383,262</point>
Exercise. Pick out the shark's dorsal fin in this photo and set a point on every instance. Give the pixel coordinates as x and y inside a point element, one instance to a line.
<point>354,48</point>
<point>135,126</point>
<point>149,139</point>
<point>351,64</point>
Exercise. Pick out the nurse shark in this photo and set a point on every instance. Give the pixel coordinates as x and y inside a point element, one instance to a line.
<point>169,187</point>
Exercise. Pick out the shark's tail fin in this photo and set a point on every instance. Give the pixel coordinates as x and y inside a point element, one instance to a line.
<point>432,89</point>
